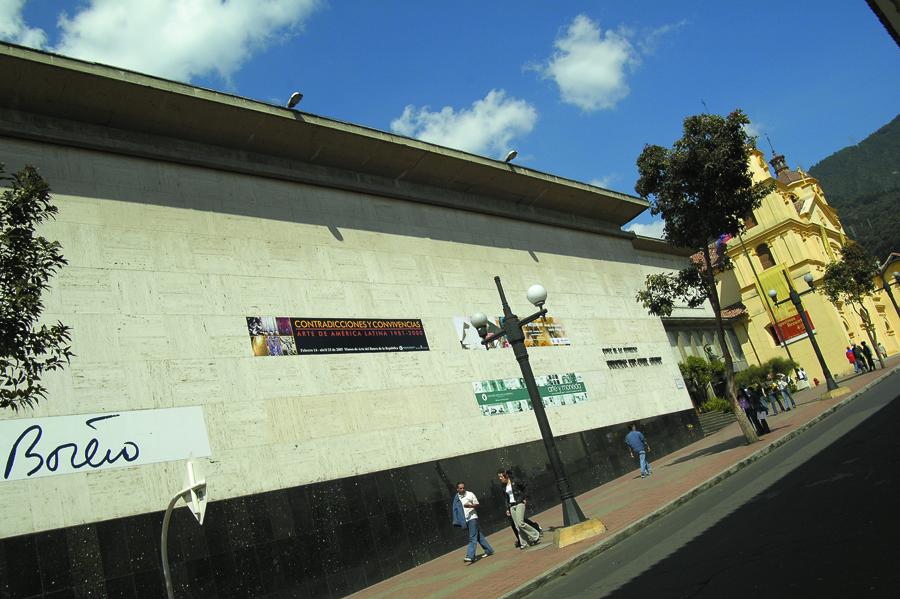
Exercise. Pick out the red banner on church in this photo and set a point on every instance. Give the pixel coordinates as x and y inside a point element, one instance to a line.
<point>792,328</point>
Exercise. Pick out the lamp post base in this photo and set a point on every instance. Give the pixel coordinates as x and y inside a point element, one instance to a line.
<point>572,513</point>
<point>839,392</point>
<point>569,535</point>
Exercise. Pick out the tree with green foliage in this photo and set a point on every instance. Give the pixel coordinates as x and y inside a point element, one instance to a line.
<point>27,263</point>
<point>700,373</point>
<point>851,281</point>
<point>703,188</point>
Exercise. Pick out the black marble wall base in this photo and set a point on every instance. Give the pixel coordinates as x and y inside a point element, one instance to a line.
<point>322,540</point>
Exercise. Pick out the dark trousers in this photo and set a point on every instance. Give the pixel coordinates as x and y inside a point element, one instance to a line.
<point>751,416</point>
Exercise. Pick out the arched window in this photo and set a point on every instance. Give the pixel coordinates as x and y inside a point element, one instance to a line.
<point>765,256</point>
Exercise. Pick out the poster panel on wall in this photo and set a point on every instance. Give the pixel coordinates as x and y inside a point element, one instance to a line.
<point>289,336</point>
<point>540,333</point>
<point>508,396</point>
<point>35,447</point>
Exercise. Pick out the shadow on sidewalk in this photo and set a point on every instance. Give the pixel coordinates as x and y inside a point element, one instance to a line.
<point>712,449</point>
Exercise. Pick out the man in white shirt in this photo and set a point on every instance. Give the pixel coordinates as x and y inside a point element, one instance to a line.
<point>466,516</point>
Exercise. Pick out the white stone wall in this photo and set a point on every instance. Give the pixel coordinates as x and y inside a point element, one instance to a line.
<point>166,261</point>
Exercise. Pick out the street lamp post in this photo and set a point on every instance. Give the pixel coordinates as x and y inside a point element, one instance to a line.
<point>887,288</point>
<point>511,328</point>
<point>798,304</point>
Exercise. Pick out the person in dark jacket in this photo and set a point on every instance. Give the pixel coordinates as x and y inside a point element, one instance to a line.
<point>759,404</point>
<point>859,357</point>
<point>867,354</point>
<point>516,498</point>
<point>747,404</point>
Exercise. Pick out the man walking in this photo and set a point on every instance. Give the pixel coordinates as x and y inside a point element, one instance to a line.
<point>638,444</point>
<point>465,516</point>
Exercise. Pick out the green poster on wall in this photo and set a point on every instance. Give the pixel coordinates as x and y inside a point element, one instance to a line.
<point>508,396</point>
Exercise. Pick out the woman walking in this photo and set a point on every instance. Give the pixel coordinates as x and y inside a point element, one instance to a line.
<point>516,498</point>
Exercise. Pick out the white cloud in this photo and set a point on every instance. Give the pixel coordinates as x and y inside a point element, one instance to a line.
<point>178,39</point>
<point>489,125</point>
<point>589,66</point>
<point>651,229</point>
<point>13,28</point>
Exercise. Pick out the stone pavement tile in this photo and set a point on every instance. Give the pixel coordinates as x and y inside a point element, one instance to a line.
<point>619,503</point>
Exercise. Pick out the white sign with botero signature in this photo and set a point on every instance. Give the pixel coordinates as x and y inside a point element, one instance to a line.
<point>35,447</point>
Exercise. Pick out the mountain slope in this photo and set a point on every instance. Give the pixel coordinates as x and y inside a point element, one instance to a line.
<point>862,182</point>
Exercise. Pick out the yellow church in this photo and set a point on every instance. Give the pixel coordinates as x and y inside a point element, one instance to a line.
<point>795,233</point>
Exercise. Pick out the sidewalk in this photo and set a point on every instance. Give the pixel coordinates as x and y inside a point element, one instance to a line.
<point>625,505</point>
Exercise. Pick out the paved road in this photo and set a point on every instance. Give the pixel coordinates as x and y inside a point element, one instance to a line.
<point>817,517</point>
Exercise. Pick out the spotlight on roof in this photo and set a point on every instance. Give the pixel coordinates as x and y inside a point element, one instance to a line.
<point>512,154</point>
<point>295,99</point>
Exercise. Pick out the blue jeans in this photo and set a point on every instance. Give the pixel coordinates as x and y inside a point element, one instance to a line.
<point>645,465</point>
<point>476,536</point>
<point>788,399</point>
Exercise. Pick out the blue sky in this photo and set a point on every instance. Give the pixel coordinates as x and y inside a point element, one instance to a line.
<point>577,88</point>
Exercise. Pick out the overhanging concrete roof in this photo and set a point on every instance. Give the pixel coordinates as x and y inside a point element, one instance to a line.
<point>53,85</point>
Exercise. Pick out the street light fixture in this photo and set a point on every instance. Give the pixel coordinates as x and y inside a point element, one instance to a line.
<point>294,99</point>
<point>509,157</point>
<point>798,305</point>
<point>887,288</point>
<point>511,328</point>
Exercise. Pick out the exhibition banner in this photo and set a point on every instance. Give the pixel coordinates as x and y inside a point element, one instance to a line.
<point>508,396</point>
<point>544,332</point>
<point>290,336</point>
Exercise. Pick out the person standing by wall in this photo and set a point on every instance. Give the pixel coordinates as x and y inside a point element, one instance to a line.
<point>759,404</point>
<point>465,515</point>
<point>784,388</point>
<point>867,354</point>
<point>638,444</point>
<point>860,359</point>
<point>746,402</point>
<point>516,498</point>
<point>851,357</point>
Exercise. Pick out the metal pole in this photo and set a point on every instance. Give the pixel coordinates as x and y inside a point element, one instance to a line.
<point>164,545</point>
<point>164,541</point>
<point>887,288</point>
<point>572,513</point>
<point>798,304</point>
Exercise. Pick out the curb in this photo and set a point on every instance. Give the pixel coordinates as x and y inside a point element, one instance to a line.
<point>595,550</point>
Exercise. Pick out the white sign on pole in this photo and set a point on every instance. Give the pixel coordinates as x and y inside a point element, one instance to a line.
<point>35,447</point>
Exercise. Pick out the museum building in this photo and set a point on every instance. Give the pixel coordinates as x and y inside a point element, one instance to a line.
<point>281,300</point>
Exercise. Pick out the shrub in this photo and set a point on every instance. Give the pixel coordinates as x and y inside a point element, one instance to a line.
<point>717,404</point>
